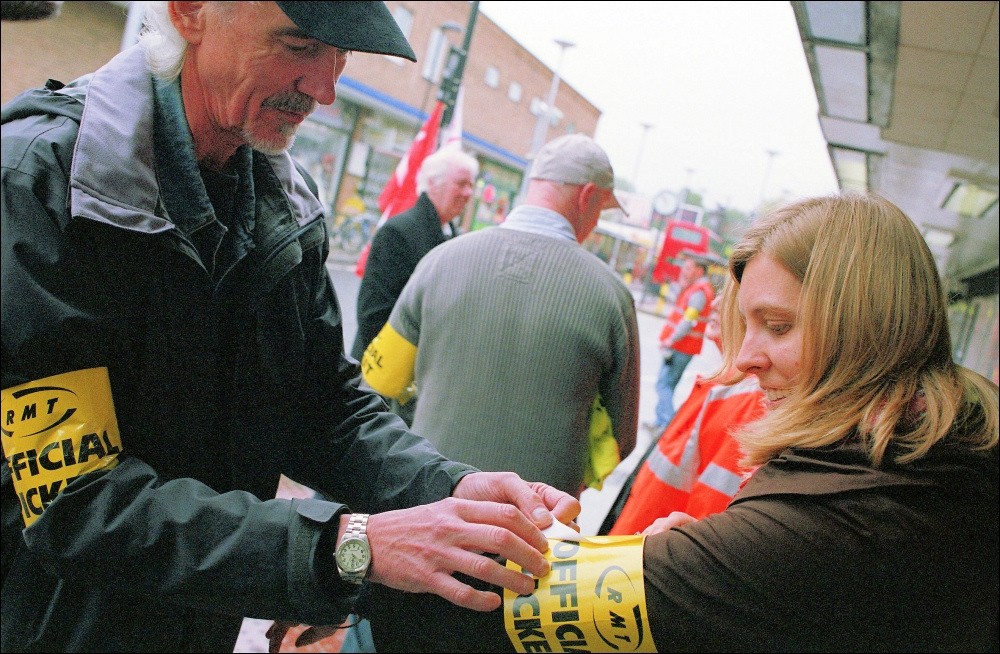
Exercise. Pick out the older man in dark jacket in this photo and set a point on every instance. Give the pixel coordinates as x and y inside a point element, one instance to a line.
<point>172,344</point>
<point>445,182</point>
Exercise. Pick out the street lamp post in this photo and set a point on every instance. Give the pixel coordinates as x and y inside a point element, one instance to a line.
<point>545,117</point>
<point>638,157</point>
<point>455,67</point>
<point>687,192</point>
<point>435,63</point>
<point>767,173</point>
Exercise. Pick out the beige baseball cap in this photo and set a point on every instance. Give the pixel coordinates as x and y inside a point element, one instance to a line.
<point>576,159</point>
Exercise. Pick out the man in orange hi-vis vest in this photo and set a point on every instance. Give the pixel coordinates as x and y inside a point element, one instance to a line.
<point>682,335</point>
<point>694,466</point>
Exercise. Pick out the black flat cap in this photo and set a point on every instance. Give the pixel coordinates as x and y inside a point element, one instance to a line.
<point>359,26</point>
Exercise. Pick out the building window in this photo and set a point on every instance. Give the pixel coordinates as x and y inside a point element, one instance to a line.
<point>492,77</point>
<point>514,92</point>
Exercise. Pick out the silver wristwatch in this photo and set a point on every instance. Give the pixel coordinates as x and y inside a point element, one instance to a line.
<point>354,555</point>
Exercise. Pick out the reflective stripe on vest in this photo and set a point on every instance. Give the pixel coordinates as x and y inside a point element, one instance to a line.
<point>725,481</point>
<point>683,475</point>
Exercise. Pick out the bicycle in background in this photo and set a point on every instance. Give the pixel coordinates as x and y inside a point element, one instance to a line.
<point>353,227</point>
<point>350,233</point>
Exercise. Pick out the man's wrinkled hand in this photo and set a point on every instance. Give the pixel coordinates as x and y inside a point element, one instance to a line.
<point>539,501</point>
<point>420,549</point>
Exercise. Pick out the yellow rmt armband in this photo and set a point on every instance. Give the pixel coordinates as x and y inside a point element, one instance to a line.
<point>54,430</point>
<point>592,600</point>
<point>387,364</point>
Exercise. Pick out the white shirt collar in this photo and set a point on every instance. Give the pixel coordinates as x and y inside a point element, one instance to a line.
<point>539,220</point>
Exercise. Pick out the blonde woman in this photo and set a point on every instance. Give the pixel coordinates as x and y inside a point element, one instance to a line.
<point>870,521</point>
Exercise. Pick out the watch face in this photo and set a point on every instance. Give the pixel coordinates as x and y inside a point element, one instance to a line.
<point>353,555</point>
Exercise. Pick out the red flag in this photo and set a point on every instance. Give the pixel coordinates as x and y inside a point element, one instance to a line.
<point>400,192</point>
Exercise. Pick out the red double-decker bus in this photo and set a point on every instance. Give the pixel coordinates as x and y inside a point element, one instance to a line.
<point>680,235</point>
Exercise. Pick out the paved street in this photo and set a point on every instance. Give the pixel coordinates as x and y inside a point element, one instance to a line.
<point>595,503</point>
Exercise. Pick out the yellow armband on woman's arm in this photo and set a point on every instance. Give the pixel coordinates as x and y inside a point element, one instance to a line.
<point>592,600</point>
<point>387,365</point>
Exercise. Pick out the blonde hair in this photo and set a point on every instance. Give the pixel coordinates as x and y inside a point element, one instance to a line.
<point>875,335</point>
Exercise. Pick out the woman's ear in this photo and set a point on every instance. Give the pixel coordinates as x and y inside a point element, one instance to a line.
<point>188,19</point>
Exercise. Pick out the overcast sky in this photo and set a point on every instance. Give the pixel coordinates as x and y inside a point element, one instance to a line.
<point>721,83</point>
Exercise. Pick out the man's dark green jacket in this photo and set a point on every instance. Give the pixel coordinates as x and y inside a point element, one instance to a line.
<point>219,384</point>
